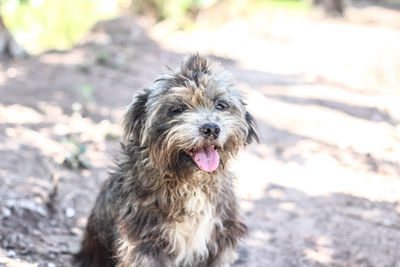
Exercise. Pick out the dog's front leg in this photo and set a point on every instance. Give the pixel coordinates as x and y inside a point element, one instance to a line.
<point>227,238</point>
<point>143,261</point>
<point>139,254</point>
<point>228,256</point>
<point>138,260</point>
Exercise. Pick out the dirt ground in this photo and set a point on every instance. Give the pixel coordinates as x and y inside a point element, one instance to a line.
<point>322,187</point>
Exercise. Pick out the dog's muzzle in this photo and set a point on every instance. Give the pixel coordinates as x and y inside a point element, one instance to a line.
<point>207,157</point>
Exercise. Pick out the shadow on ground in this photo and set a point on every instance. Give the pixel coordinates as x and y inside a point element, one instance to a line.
<point>362,112</point>
<point>290,228</point>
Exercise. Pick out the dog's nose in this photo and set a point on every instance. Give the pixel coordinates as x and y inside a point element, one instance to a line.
<point>210,129</point>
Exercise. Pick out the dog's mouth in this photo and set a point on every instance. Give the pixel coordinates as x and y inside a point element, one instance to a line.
<point>206,158</point>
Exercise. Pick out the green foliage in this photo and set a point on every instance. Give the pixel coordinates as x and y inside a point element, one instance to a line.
<point>282,4</point>
<point>171,9</point>
<point>184,12</point>
<point>39,25</point>
<point>268,6</point>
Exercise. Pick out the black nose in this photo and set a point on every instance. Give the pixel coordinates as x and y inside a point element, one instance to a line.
<point>210,129</point>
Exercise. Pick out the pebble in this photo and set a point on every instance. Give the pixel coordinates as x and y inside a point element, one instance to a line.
<point>6,212</point>
<point>11,253</point>
<point>70,212</point>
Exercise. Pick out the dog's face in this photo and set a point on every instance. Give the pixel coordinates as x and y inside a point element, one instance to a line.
<point>193,119</point>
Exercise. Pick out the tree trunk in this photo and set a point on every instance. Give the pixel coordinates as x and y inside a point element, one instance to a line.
<point>8,46</point>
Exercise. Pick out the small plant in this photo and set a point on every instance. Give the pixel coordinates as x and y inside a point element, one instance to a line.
<point>111,136</point>
<point>102,57</point>
<point>75,156</point>
<point>110,59</point>
<point>83,68</point>
<point>87,92</point>
<point>87,103</point>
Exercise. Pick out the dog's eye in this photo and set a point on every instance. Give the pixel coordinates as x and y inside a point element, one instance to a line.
<point>221,105</point>
<point>177,109</point>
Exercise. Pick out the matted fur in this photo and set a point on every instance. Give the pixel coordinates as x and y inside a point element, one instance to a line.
<point>159,208</point>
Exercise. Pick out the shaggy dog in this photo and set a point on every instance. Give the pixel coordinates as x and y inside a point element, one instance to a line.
<point>170,201</point>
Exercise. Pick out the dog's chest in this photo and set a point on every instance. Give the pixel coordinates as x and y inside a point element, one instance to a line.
<point>194,232</point>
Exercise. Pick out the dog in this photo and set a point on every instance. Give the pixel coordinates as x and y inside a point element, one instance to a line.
<point>169,202</point>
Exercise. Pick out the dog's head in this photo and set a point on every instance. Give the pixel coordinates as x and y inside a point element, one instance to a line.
<point>193,119</point>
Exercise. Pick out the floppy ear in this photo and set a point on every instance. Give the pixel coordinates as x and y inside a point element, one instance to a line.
<point>134,117</point>
<point>251,124</point>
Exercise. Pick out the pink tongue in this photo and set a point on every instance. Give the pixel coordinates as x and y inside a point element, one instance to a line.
<point>206,158</point>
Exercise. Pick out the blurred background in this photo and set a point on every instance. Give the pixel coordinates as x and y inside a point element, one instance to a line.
<point>322,77</point>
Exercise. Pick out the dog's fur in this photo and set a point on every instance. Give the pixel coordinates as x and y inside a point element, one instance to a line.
<point>159,208</point>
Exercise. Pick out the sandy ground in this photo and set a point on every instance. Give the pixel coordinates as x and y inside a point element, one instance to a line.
<point>321,188</point>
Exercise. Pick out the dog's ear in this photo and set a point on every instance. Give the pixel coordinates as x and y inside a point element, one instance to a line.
<point>134,117</point>
<point>251,124</point>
